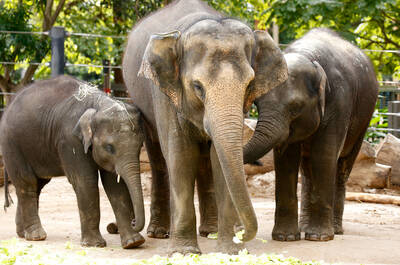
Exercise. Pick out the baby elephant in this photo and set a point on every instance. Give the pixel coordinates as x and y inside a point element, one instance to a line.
<point>64,127</point>
<point>316,121</point>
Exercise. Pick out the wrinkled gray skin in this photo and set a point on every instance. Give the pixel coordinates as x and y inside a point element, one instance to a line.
<point>193,87</point>
<point>58,127</point>
<point>315,121</point>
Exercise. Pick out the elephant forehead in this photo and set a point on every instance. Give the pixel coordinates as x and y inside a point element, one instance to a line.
<point>216,57</point>
<point>219,28</point>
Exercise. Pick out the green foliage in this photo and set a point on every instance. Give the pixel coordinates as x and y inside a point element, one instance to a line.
<point>20,47</point>
<point>106,17</point>
<point>15,252</point>
<point>378,121</point>
<point>370,24</point>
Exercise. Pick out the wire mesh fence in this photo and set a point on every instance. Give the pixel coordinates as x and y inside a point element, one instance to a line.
<point>389,90</point>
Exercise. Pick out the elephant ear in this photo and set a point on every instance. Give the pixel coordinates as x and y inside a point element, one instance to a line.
<point>160,64</point>
<point>83,128</point>
<point>322,86</point>
<point>269,66</point>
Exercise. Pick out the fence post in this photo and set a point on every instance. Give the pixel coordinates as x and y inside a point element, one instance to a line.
<point>394,121</point>
<point>57,35</point>
<point>107,77</point>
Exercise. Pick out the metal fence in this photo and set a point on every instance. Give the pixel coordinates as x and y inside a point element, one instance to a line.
<point>389,90</point>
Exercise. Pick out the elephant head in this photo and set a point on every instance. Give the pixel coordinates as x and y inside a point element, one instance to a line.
<point>291,112</point>
<point>115,137</point>
<point>211,72</point>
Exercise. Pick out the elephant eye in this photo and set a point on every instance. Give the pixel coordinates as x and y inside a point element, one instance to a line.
<point>198,89</point>
<point>109,148</point>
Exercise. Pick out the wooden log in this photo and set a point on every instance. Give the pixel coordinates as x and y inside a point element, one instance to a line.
<point>366,172</point>
<point>388,153</point>
<point>373,198</point>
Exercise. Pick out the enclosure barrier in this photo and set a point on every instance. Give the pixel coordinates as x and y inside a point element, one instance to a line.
<point>58,64</point>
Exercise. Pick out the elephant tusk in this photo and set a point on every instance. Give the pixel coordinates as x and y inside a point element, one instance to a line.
<point>118,178</point>
<point>98,173</point>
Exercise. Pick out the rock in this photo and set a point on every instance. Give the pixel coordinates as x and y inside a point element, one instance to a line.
<point>262,185</point>
<point>366,172</point>
<point>388,153</point>
<point>144,161</point>
<point>267,161</point>
<point>146,183</point>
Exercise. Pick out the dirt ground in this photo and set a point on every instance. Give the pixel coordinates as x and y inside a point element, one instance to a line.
<point>372,231</point>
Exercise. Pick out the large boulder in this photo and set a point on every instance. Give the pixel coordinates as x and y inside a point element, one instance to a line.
<point>366,172</point>
<point>267,161</point>
<point>388,153</point>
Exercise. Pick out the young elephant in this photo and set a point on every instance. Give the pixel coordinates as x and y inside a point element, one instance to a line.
<point>316,121</point>
<point>64,127</point>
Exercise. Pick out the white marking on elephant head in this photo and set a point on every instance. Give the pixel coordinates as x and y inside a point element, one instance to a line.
<point>84,90</point>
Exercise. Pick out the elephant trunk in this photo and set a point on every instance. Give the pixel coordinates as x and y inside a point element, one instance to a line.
<point>226,130</point>
<point>271,130</point>
<point>130,173</point>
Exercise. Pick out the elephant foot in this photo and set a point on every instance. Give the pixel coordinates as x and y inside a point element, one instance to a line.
<point>338,227</point>
<point>318,234</point>
<point>157,231</point>
<point>20,232</point>
<point>36,234</point>
<point>319,230</point>
<point>286,236</point>
<point>318,237</point>
<point>112,228</point>
<point>229,247</point>
<point>132,241</point>
<point>183,246</point>
<point>286,230</point>
<point>206,229</point>
<point>93,241</point>
<point>339,230</point>
<point>184,250</point>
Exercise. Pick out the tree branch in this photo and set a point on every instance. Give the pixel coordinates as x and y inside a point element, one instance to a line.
<point>30,71</point>
<point>5,85</point>
<point>390,17</point>
<point>49,7</point>
<point>381,25</point>
<point>56,13</point>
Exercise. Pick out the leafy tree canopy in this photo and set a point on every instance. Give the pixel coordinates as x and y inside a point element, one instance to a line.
<point>370,24</point>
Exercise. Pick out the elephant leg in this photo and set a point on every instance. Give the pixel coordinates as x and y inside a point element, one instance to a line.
<point>82,173</point>
<point>27,187</point>
<point>206,194</point>
<point>182,164</point>
<point>160,208</point>
<point>227,214</point>
<point>19,218</point>
<point>345,165</point>
<point>321,169</point>
<point>305,191</point>
<point>286,216</point>
<point>87,194</point>
<point>121,203</point>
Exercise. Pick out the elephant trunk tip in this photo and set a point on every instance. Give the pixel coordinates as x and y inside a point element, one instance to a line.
<point>138,226</point>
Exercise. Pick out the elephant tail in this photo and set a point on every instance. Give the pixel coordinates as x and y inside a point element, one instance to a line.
<point>8,200</point>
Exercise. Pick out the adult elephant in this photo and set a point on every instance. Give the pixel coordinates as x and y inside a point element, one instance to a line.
<point>193,85</point>
<point>316,121</point>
